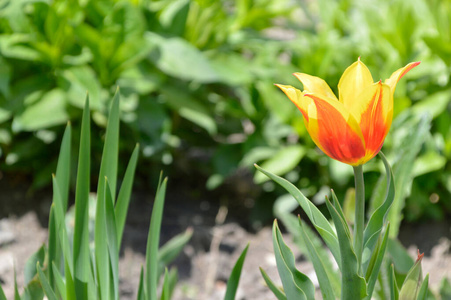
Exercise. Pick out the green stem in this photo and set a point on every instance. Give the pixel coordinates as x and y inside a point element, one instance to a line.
<point>359,214</point>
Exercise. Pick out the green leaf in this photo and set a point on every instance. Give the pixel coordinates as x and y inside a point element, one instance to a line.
<point>153,241</point>
<point>81,230</point>
<point>108,170</point>
<point>315,216</point>
<point>180,59</point>
<point>423,293</point>
<point>49,111</point>
<point>377,219</point>
<point>16,290</point>
<point>80,80</point>
<point>375,263</point>
<point>123,199</point>
<point>169,282</point>
<point>45,284</point>
<point>108,166</point>
<point>2,294</point>
<point>322,273</point>
<point>169,251</point>
<point>283,207</point>
<point>445,288</point>
<point>165,289</point>
<point>142,295</point>
<point>63,166</point>
<point>59,282</point>
<point>412,284</point>
<point>234,278</point>
<point>189,108</point>
<point>30,271</point>
<point>281,162</point>
<point>33,291</point>
<point>353,286</point>
<point>111,240</point>
<point>394,291</point>
<point>280,295</point>
<point>295,284</point>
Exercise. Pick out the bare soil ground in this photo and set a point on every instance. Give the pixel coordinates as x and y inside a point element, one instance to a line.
<point>206,262</point>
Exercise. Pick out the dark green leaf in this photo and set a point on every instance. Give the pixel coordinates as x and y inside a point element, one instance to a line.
<point>234,278</point>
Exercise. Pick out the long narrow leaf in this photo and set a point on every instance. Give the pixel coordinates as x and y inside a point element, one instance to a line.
<point>59,282</point>
<point>318,220</point>
<point>111,239</point>
<point>63,166</point>
<point>280,295</point>
<point>234,278</point>
<point>321,272</point>
<point>81,230</point>
<point>108,170</point>
<point>142,295</point>
<point>376,262</point>
<point>108,165</point>
<point>377,219</point>
<point>423,293</point>
<point>102,265</point>
<point>394,291</point>
<point>123,198</point>
<point>45,284</point>
<point>353,286</point>
<point>169,251</point>
<point>153,241</point>
<point>295,284</point>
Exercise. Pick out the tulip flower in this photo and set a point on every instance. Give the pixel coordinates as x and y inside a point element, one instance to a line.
<point>352,128</point>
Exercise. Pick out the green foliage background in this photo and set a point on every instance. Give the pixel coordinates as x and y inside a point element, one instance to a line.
<point>196,80</point>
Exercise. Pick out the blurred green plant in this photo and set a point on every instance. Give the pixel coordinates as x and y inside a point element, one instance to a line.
<point>196,82</point>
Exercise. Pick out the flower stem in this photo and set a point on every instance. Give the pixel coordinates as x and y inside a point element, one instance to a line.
<point>359,222</point>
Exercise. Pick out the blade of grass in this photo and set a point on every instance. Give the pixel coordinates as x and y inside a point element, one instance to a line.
<point>59,282</point>
<point>234,279</point>
<point>153,241</point>
<point>111,238</point>
<point>123,198</point>
<point>45,284</point>
<point>81,230</point>
<point>108,165</point>
<point>165,290</point>
<point>108,169</point>
<point>142,295</point>
<point>169,251</point>
<point>63,166</point>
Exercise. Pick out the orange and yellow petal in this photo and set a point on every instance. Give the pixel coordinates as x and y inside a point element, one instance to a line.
<point>398,74</point>
<point>336,133</point>
<point>375,120</point>
<point>353,81</point>
<point>297,97</point>
<point>315,85</point>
